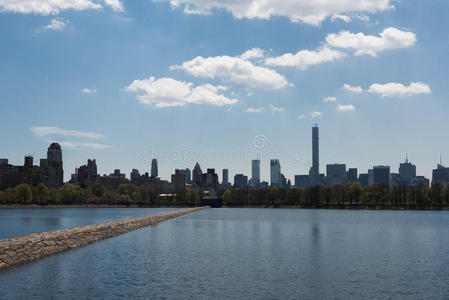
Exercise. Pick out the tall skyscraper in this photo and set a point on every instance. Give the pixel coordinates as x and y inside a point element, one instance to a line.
<point>154,171</point>
<point>255,172</point>
<point>351,175</point>
<point>406,172</point>
<point>240,181</point>
<point>225,177</point>
<point>275,172</point>
<point>188,175</point>
<point>54,172</point>
<point>197,174</point>
<point>381,174</point>
<point>314,172</point>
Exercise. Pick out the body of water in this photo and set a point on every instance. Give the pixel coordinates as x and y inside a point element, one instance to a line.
<point>16,221</point>
<point>250,254</point>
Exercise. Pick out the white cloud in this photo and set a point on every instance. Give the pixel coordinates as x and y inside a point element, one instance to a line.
<point>276,108</point>
<point>329,99</point>
<point>168,92</point>
<point>89,91</point>
<point>344,18</point>
<point>399,90</point>
<point>305,58</point>
<point>345,108</point>
<point>302,116</point>
<point>253,53</point>
<point>54,7</point>
<point>73,145</point>
<point>310,12</point>
<point>316,114</point>
<point>234,69</point>
<point>56,24</point>
<point>52,130</point>
<point>389,38</point>
<point>116,5</point>
<point>353,89</point>
<point>254,110</point>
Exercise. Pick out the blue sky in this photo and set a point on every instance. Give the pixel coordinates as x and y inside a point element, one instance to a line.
<point>224,82</point>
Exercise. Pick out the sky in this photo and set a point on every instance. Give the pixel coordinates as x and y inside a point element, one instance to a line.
<point>224,82</point>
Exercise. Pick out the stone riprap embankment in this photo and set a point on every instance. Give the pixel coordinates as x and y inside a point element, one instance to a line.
<point>22,249</point>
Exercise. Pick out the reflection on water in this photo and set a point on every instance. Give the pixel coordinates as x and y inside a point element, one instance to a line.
<point>253,254</point>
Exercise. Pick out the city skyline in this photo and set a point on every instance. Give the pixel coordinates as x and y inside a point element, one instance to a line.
<point>336,173</point>
<point>105,102</point>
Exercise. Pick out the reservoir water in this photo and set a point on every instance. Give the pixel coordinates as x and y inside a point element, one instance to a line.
<point>240,253</point>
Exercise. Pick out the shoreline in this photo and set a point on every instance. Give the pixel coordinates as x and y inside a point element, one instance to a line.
<point>335,207</point>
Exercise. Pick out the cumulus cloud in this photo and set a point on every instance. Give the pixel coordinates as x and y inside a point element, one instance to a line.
<point>316,114</point>
<point>345,108</point>
<point>310,12</point>
<point>168,92</point>
<point>305,58</point>
<point>344,18</point>
<point>399,90</point>
<point>276,108</point>
<point>54,7</point>
<point>89,91</point>
<point>330,99</point>
<point>234,69</point>
<point>389,38</point>
<point>254,110</point>
<point>52,130</point>
<point>253,53</point>
<point>353,89</point>
<point>56,24</point>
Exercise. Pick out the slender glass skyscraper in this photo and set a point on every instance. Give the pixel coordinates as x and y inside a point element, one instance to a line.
<point>255,172</point>
<point>314,172</point>
<point>154,171</point>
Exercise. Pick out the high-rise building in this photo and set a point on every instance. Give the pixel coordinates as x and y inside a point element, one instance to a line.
<point>210,179</point>
<point>225,177</point>
<point>363,179</point>
<point>370,176</point>
<point>179,180</point>
<point>188,175</point>
<point>406,172</point>
<point>54,173</point>
<point>135,177</point>
<point>440,174</point>
<point>154,170</point>
<point>275,172</point>
<point>240,181</point>
<point>197,174</point>
<point>336,174</point>
<point>28,161</point>
<point>301,181</point>
<point>381,175</point>
<point>87,174</point>
<point>255,172</point>
<point>314,172</point>
<point>351,175</point>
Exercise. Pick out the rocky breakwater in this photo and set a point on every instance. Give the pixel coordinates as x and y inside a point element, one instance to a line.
<point>22,249</point>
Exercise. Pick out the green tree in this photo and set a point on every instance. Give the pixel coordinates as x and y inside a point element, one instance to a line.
<point>98,189</point>
<point>24,193</point>
<point>355,190</point>
<point>41,194</point>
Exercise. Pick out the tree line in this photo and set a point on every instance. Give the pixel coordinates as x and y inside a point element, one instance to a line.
<point>70,194</point>
<point>351,195</point>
